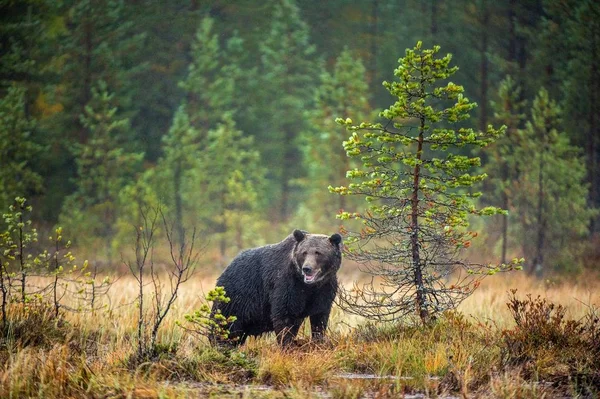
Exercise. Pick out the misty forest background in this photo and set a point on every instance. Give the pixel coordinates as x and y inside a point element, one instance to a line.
<point>223,112</point>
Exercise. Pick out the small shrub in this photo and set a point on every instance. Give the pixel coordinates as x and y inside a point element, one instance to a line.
<point>548,345</point>
<point>206,323</point>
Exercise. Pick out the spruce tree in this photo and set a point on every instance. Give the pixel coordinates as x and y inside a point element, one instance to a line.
<point>18,150</point>
<point>212,87</point>
<point>98,45</point>
<point>215,76</point>
<point>104,168</point>
<point>344,91</point>
<point>580,78</point>
<point>203,99</point>
<point>233,179</point>
<point>181,146</point>
<point>550,192</point>
<point>287,78</point>
<point>416,226</point>
<point>502,160</point>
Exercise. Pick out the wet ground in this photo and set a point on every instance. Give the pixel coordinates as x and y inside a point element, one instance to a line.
<point>228,391</point>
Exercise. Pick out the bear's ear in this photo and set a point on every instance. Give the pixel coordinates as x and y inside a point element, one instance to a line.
<point>336,239</point>
<point>299,235</point>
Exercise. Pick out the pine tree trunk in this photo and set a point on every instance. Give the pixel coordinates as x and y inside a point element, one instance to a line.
<point>414,239</point>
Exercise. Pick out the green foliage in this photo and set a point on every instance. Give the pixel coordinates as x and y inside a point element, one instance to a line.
<point>415,184</point>
<point>204,322</point>
<point>344,91</point>
<point>501,157</point>
<point>97,45</point>
<point>18,150</point>
<point>261,64</point>
<point>215,76</point>
<point>287,77</point>
<point>208,90</point>
<point>104,168</point>
<point>575,79</point>
<point>550,193</point>
<point>232,181</point>
<point>17,261</point>
<point>220,188</point>
<point>180,145</point>
<point>57,276</point>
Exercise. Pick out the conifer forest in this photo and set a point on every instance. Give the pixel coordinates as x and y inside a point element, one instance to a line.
<point>454,145</point>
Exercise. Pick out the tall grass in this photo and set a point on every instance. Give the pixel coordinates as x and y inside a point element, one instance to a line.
<point>87,355</point>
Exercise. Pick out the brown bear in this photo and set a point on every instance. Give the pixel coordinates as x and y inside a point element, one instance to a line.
<point>277,286</point>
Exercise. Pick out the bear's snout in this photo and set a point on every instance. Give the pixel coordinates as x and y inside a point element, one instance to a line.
<point>310,272</point>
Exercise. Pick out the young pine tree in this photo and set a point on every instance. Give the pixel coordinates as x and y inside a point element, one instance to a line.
<point>417,186</point>
<point>550,195</point>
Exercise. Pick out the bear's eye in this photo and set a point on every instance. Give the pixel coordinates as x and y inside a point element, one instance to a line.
<point>305,253</point>
<point>317,253</point>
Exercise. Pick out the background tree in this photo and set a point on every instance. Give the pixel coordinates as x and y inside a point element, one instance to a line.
<point>181,145</point>
<point>18,150</point>
<point>580,78</point>
<point>232,194</point>
<point>550,193</point>
<point>206,89</point>
<point>344,91</point>
<point>103,170</point>
<point>415,227</point>
<point>264,74</point>
<point>288,76</point>
<point>502,160</point>
<point>168,30</point>
<point>215,77</point>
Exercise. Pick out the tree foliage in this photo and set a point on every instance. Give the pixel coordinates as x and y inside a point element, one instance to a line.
<point>287,75</point>
<point>550,191</point>
<point>416,226</point>
<point>104,168</point>
<point>343,91</point>
<point>18,150</point>
<point>509,111</point>
<point>261,64</point>
<point>233,190</point>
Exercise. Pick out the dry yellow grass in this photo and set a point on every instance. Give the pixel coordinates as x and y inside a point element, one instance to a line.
<point>106,341</point>
<point>487,303</point>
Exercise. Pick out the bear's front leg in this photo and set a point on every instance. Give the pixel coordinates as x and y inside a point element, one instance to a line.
<point>318,325</point>
<point>286,331</point>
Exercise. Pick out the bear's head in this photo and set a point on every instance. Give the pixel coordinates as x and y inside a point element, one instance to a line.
<point>317,256</point>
